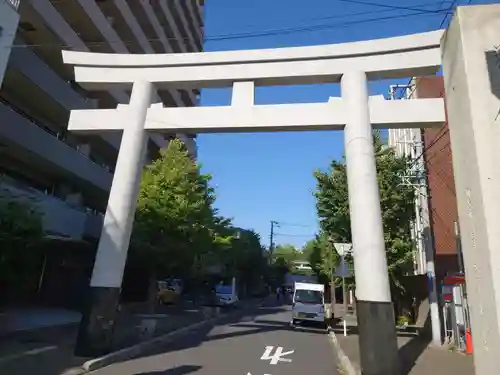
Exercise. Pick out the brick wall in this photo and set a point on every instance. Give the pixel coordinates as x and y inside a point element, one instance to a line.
<point>442,197</point>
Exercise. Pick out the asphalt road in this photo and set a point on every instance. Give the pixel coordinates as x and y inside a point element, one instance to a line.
<point>239,346</point>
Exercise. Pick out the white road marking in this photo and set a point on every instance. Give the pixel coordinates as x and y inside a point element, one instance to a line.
<point>28,352</point>
<point>276,357</point>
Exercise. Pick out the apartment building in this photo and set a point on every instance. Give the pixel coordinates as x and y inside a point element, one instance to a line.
<point>9,18</point>
<point>433,149</point>
<point>442,195</point>
<point>67,176</point>
<point>408,143</point>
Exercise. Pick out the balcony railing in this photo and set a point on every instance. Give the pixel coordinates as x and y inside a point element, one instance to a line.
<point>61,136</point>
<point>58,216</point>
<point>14,3</point>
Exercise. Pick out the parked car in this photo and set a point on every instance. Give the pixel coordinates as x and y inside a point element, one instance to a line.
<point>226,296</point>
<point>166,294</point>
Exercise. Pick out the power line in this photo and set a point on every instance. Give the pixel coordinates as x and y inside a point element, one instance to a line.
<point>431,144</point>
<point>393,7</point>
<point>448,12</point>
<point>272,32</point>
<point>294,225</point>
<point>294,235</point>
<point>354,14</point>
<point>317,27</point>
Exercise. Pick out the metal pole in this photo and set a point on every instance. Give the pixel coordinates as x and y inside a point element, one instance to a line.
<point>429,248</point>
<point>271,238</point>
<point>333,297</point>
<point>344,290</point>
<point>458,245</point>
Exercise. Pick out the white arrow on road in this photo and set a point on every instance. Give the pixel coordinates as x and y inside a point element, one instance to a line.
<point>276,357</point>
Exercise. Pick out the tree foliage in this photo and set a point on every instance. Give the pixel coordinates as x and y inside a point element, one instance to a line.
<point>175,220</point>
<point>396,200</point>
<point>21,227</point>
<point>285,254</point>
<point>245,259</point>
<point>177,230</point>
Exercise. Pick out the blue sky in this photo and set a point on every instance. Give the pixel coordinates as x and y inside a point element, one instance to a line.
<point>261,177</point>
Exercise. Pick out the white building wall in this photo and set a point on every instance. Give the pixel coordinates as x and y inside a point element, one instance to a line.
<point>408,142</point>
<point>9,19</point>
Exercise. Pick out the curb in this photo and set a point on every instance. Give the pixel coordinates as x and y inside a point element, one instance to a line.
<point>344,360</point>
<point>134,350</point>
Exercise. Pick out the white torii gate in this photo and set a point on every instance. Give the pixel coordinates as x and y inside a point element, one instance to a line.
<point>351,64</point>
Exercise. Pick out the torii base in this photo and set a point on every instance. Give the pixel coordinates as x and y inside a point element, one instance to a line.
<point>378,345</point>
<point>95,334</point>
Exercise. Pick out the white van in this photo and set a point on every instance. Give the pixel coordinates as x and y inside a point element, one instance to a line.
<point>308,303</point>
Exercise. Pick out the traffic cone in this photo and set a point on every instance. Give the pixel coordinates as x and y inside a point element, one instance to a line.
<point>469,349</point>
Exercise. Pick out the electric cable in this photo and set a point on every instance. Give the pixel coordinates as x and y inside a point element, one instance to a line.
<point>271,32</point>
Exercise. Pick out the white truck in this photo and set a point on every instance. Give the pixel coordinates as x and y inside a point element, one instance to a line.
<point>308,304</point>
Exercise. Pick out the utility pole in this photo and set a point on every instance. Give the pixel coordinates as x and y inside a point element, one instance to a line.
<point>271,237</point>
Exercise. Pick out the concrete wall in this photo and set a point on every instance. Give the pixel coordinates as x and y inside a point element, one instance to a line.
<point>471,66</point>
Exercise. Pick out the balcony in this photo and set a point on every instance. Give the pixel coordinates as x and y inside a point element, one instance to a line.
<point>35,145</point>
<point>59,218</point>
<point>36,71</point>
<point>14,3</point>
<point>93,225</point>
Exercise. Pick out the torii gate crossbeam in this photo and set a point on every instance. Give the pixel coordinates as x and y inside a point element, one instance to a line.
<point>351,64</point>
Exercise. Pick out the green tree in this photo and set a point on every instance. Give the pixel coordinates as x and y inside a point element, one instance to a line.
<point>176,225</point>
<point>396,202</point>
<point>285,254</point>
<point>21,228</point>
<point>247,257</point>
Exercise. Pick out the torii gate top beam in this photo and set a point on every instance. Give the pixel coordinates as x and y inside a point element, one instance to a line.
<point>403,56</point>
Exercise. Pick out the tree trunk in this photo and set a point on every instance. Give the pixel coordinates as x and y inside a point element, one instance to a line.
<point>152,300</point>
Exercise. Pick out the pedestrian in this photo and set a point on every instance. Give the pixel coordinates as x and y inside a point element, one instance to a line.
<point>278,292</point>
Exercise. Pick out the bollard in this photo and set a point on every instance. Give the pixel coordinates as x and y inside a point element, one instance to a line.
<point>469,348</point>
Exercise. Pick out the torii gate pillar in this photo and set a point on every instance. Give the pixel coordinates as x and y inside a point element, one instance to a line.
<point>97,326</point>
<point>373,292</point>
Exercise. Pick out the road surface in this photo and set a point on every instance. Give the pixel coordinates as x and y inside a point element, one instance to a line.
<point>259,343</point>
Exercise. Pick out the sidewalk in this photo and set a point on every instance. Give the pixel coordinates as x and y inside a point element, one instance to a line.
<point>49,350</point>
<point>417,356</point>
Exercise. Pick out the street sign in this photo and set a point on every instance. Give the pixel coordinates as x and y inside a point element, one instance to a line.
<point>343,248</point>
<point>344,270</point>
<point>277,356</point>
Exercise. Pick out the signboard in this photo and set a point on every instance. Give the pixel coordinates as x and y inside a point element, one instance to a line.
<point>454,279</point>
<point>343,248</point>
<point>447,293</point>
<point>344,270</point>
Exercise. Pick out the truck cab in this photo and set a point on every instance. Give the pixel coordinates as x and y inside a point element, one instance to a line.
<point>308,303</point>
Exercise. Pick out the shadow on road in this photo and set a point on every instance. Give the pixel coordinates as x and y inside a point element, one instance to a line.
<point>244,320</point>
<point>411,346</point>
<point>180,370</point>
<point>410,352</point>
